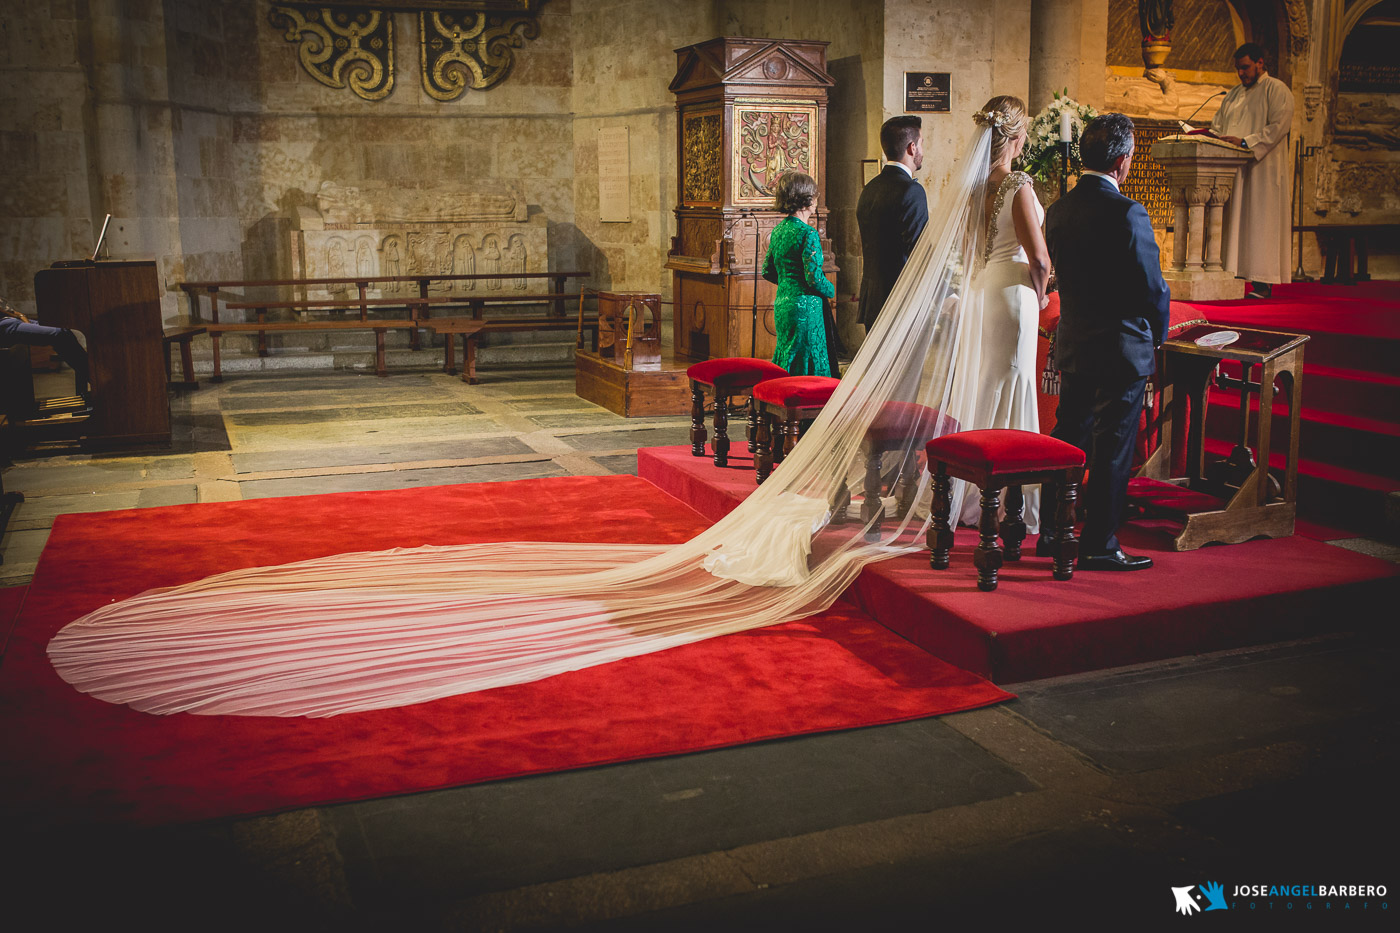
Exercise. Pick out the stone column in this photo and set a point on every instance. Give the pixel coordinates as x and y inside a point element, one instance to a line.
<point>1069,40</point>
<point>1215,225</point>
<point>1196,198</point>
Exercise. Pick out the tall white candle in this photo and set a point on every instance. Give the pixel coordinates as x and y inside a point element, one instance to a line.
<point>1065,133</point>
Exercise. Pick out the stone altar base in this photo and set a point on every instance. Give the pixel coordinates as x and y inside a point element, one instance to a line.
<point>1203,286</point>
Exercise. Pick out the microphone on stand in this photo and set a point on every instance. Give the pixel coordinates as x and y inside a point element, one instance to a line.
<point>1185,125</point>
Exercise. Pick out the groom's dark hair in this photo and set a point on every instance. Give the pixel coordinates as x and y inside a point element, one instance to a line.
<point>1107,137</point>
<point>897,134</point>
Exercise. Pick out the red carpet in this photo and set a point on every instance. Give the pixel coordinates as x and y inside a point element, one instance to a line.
<point>1033,626</point>
<point>65,757</point>
<point>11,599</point>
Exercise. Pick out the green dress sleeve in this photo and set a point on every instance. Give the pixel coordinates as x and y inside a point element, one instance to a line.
<point>770,270</point>
<point>812,261</point>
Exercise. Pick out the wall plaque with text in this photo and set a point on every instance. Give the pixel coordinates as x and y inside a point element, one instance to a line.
<point>1147,182</point>
<point>927,92</point>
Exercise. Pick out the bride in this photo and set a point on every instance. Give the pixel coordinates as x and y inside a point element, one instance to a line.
<point>365,631</point>
<point>1015,269</point>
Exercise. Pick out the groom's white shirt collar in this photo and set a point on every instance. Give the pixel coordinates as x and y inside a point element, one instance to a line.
<point>1111,180</point>
<point>906,168</point>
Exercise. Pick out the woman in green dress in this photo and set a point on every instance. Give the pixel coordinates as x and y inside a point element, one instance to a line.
<point>794,263</point>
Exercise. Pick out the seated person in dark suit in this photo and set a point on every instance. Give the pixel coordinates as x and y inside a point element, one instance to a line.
<point>891,212</point>
<point>15,328</point>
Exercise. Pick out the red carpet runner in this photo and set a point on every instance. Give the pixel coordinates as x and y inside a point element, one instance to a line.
<point>67,757</point>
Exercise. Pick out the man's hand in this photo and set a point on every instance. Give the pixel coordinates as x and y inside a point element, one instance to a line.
<point>1234,140</point>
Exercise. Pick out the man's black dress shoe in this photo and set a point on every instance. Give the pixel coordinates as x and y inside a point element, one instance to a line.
<point>1114,560</point>
<point>1044,546</point>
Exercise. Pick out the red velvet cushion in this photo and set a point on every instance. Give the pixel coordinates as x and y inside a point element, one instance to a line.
<point>901,419</point>
<point>735,372</point>
<point>797,391</point>
<point>1180,316</point>
<point>1000,450</point>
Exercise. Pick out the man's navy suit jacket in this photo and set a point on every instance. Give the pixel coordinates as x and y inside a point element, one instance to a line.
<point>1114,305</point>
<point>891,212</point>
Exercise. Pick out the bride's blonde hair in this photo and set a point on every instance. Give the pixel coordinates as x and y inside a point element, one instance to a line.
<point>1006,115</point>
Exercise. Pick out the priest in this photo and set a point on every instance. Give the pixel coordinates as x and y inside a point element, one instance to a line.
<point>1259,230</point>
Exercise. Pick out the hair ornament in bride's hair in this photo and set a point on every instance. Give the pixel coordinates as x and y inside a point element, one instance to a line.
<point>994,118</point>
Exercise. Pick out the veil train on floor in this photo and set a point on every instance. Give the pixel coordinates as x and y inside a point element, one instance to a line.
<point>367,631</point>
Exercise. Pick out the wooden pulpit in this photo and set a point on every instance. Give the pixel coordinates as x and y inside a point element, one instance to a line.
<point>749,110</point>
<point>1235,499</point>
<point>115,305</point>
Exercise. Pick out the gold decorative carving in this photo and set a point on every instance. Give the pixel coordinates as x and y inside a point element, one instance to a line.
<point>701,140</point>
<point>769,140</point>
<point>463,49</point>
<point>342,47</point>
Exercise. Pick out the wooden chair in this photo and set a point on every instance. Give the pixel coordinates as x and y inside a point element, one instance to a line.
<point>182,336</point>
<point>784,406</point>
<point>999,459</point>
<point>724,378</point>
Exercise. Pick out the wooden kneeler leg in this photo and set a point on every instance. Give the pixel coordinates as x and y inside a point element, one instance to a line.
<point>1066,546</point>
<point>940,533</point>
<point>763,440</point>
<point>697,420</point>
<point>871,508</point>
<point>1013,527</point>
<point>987,557</point>
<point>721,444</point>
<point>753,424</point>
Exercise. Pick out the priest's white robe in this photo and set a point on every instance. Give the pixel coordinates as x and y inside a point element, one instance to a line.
<point>1259,222</point>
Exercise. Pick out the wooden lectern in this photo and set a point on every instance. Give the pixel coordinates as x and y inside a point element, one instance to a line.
<point>115,304</point>
<point>749,110</point>
<point>1235,499</point>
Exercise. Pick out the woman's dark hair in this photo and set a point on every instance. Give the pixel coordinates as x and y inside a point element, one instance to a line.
<point>796,191</point>
<point>1107,137</point>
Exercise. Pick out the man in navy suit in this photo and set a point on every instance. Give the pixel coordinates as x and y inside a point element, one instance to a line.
<point>891,212</point>
<point>1114,309</point>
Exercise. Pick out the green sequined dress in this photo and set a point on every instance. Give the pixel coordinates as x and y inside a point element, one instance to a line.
<point>794,262</point>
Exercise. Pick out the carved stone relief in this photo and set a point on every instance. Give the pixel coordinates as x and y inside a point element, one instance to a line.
<point>376,231</point>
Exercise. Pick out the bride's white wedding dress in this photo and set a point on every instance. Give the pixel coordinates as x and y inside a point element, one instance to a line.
<point>1002,348</point>
<point>367,631</point>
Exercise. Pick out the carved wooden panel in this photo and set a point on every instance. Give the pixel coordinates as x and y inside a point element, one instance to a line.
<point>702,144</point>
<point>770,138</point>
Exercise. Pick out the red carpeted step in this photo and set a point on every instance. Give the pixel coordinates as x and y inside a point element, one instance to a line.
<point>1348,333</point>
<point>1384,290</point>
<point>1332,495</point>
<point>1345,440</point>
<point>1346,390</point>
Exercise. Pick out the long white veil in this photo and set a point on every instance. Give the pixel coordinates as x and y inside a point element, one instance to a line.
<point>373,630</point>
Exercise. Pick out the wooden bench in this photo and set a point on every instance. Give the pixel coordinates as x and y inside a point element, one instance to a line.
<point>469,329</point>
<point>379,328</point>
<point>182,336</point>
<point>1344,248</point>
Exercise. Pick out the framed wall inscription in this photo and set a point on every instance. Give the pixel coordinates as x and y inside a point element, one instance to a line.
<point>927,92</point>
<point>614,175</point>
<point>1147,182</point>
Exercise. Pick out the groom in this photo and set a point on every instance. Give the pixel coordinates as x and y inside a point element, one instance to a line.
<point>1114,310</point>
<point>891,213</point>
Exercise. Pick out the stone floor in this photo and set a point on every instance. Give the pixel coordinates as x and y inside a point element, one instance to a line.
<point>1087,798</point>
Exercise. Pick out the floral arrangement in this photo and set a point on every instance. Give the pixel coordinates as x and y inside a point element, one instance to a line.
<point>1041,157</point>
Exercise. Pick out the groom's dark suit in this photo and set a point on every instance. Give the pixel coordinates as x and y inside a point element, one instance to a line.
<point>1114,310</point>
<point>891,212</point>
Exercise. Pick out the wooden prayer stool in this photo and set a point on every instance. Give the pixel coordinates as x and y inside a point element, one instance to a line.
<point>903,426</point>
<point>993,460</point>
<point>182,336</point>
<point>724,378</point>
<point>469,329</point>
<point>1235,499</point>
<point>784,406</point>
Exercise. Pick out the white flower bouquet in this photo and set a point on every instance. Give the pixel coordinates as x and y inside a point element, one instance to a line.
<point>1041,157</point>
